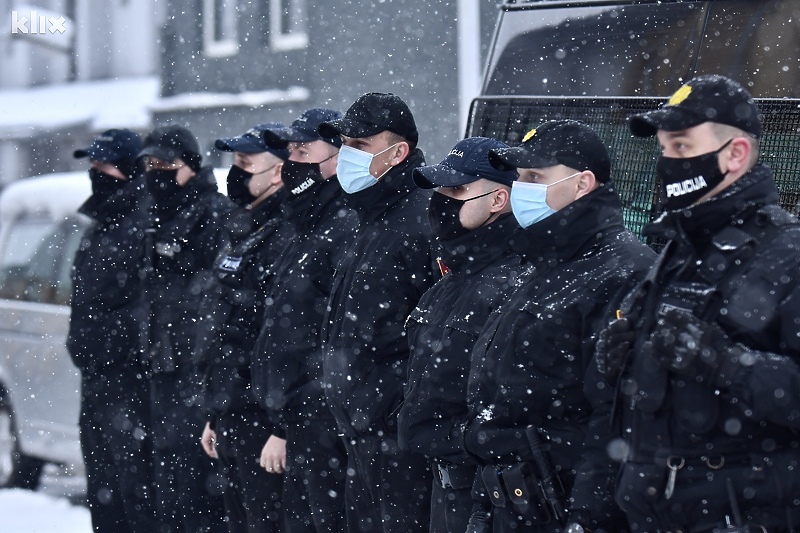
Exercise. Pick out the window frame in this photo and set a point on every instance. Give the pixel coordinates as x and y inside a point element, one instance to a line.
<point>229,44</point>
<point>280,39</point>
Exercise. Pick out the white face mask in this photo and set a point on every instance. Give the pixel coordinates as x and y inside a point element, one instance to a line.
<point>352,169</point>
<point>529,201</point>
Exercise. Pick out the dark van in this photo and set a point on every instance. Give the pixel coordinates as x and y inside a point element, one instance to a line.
<point>600,61</point>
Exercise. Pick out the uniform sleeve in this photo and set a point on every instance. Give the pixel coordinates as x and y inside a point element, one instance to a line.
<point>766,384</point>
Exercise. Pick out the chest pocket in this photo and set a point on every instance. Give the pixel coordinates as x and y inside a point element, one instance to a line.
<point>546,337</point>
<point>695,408</point>
<point>418,316</point>
<point>466,322</point>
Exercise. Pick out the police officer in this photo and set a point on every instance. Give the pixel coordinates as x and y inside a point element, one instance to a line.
<point>114,422</point>
<point>287,362</point>
<point>385,270</point>
<point>528,412</point>
<point>470,215</point>
<point>231,315</point>
<point>185,235</point>
<point>707,346</point>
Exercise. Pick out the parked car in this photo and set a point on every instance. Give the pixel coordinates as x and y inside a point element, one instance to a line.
<point>40,230</point>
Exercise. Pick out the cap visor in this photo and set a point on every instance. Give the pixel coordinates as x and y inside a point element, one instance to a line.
<point>244,144</point>
<point>165,154</point>
<point>348,128</point>
<point>97,153</point>
<point>298,136</point>
<point>440,176</point>
<point>669,118</point>
<point>518,157</point>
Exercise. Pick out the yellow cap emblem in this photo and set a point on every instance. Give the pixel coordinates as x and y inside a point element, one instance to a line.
<point>529,135</point>
<point>680,95</point>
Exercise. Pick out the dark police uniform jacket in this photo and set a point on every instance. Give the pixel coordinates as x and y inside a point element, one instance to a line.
<point>482,270</point>
<point>733,260</point>
<point>385,270</point>
<point>529,362</point>
<point>189,234</point>
<point>287,359</point>
<point>105,282</point>
<point>232,309</point>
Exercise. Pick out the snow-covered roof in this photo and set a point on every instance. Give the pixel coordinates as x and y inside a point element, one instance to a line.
<point>55,195</point>
<point>203,100</point>
<point>103,104</point>
<point>59,194</point>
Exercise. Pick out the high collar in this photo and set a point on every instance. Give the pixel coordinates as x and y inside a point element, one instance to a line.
<point>566,232</point>
<point>474,251</point>
<point>371,203</point>
<point>243,222</point>
<point>305,209</point>
<point>110,208</point>
<point>700,222</point>
<point>269,207</point>
<point>201,184</point>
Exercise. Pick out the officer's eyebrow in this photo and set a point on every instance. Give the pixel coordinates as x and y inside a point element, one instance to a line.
<point>675,134</point>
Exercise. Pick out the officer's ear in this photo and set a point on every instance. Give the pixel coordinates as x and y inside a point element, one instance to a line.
<point>399,153</point>
<point>501,200</point>
<point>739,156</point>
<point>587,182</point>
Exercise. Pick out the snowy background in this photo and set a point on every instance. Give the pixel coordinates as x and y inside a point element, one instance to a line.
<point>59,505</point>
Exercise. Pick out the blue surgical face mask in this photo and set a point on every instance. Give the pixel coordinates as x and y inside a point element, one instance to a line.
<point>529,201</point>
<point>352,169</point>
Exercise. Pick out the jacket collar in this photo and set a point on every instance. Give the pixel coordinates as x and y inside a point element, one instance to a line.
<point>201,184</point>
<point>474,251</point>
<point>269,208</point>
<point>305,210</point>
<point>699,223</point>
<point>371,203</point>
<point>110,208</point>
<point>565,233</point>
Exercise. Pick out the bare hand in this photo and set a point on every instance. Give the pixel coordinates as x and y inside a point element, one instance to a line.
<point>273,455</point>
<point>209,441</point>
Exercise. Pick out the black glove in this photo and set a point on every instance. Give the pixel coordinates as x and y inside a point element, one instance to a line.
<point>686,345</point>
<point>612,347</point>
<point>479,522</point>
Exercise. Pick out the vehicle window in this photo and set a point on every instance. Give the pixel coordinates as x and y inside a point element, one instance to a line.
<point>646,49</point>
<point>597,51</point>
<point>37,261</point>
<point>760,42</point>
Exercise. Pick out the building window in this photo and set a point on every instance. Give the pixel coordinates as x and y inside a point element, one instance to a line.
<point>288,24</point>
<point>219,27</point>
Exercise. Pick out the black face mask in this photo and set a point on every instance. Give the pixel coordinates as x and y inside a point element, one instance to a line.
<point>238,191</point>
<point>104,185</point>
<point>685,180</point>
<point>443,215</point>
<point>299,177</point>
<point>161,183</point>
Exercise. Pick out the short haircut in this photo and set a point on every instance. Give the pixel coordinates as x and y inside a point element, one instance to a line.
<point>723,133</point>
<point>394,138</point>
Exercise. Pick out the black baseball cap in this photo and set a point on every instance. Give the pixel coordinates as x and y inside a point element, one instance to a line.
<point>371,114</point>
<point>559,142</point>
<point>707,98</point>
<point>252,142</point>
<point>171,142</point>
<point>111,146</point>
<point>468,161</point>
<point>304,129</point>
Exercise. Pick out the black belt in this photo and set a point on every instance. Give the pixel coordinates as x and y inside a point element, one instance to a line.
<point>453,476</point>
